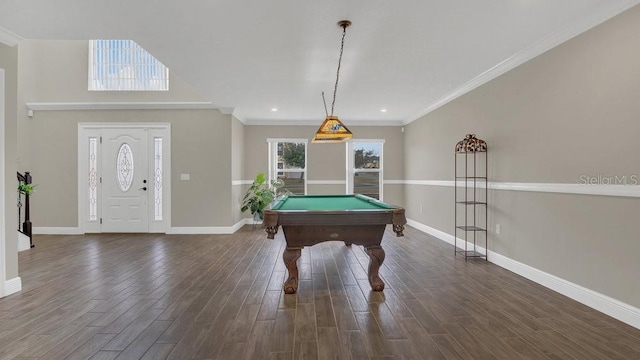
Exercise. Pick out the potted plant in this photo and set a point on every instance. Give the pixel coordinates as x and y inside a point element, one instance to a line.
<point>25,189</point>
<point>259,195</point>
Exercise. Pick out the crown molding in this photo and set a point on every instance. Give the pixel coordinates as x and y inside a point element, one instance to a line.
<point>9,38</point>
<point>125,106</point>
<point>239,117</point>
<point>350,123</point>
<point>564,34</point>
<point>227,110</point>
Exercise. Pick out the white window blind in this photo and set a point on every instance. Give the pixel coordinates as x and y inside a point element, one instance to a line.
<point>122,65</point>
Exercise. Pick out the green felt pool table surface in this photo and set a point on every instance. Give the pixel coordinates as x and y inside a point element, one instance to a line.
<point>329,203</point>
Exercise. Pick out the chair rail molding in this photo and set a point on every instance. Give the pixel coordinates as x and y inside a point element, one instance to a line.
<point>563,188</point>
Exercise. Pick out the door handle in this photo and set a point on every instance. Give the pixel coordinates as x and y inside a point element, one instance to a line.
<point>143,188</point>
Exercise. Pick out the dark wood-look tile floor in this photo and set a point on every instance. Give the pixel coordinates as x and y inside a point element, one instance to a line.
<point>149,296</point>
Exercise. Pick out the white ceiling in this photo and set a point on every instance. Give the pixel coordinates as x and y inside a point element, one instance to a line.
<point>408,57</point>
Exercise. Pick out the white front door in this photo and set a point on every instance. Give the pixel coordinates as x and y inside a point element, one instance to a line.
<point>116,162</point>
<point>125,180</point>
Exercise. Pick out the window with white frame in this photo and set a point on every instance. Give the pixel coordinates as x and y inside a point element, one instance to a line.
<point>288,162</point>
<point>123,65</point>
<point>364,167</point>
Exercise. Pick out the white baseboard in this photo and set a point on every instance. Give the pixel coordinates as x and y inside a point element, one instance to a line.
<point>448,238</point>
<point>57,231</point>
<point>201,230</point>
<point>11,286</point>
<point>24,242</point>
<point>173,230</point>
<point>210,229</point>
<point>603,303</point>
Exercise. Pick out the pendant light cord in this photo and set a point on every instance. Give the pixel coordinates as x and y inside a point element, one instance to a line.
<point>335,89</point>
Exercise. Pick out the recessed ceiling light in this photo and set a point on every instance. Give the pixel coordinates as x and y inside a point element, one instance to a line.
<point>274,109</point>
<point>383,110</point>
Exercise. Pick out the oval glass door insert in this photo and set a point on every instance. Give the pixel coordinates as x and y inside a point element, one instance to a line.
<point>124,167</point>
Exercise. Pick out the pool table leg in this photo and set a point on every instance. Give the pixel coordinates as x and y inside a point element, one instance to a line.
<point>290,257</point>
<point>376,258</point>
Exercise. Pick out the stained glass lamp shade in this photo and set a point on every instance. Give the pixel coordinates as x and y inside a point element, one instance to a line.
<point>332,130</point>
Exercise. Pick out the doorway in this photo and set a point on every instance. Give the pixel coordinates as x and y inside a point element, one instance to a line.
<point>122,187</point>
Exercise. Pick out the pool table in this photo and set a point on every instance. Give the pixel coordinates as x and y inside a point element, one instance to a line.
<point>311,219</point>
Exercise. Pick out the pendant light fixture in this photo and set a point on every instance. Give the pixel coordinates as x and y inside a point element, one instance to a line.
<point>332,129</point>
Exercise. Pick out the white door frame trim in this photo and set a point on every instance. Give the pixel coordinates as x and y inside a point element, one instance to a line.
<point>84,132</point>
<point>3,228</point>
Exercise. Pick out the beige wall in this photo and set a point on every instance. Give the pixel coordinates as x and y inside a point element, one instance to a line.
<point>327,161</point>
<point>60,69</point>
<point>570,112</point>
<point>200,146</point>
<point>9,62</point>
<point>237,168</point>
<point>56,71</point>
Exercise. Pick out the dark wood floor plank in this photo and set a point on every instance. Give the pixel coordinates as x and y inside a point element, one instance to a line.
<point>425,317</point>
<point>156,296</point>
<point>421,340</point>
<point>139,345</point>
<point>269,307</point>
<point>243,324</point>
<point>229,350</point>
<point>91,347</point>
<point>324,311</point>
<point>158,351</point>
<point>353,345</point>
<point>105,355</point>
<point>306,350</point>
<point>524,349</point>
<point>260,340</point>
<point>404,349</point>
<point>282,339</point>
<point>450,347</point>
<point>10,351</point>
<point>65,333</point>
<point>287,355</point>
<point>372,335</point>
<point>135,328</point>
<point>387,322</point>
<point>305,323</point>
<point>64,349</point>
<point>305,292</point>
<point>469,342</point>
<point>110,315</point>
<point>130,316</point>
<point>357,299</point>
<point>329,346</point>
<point>345,320</point>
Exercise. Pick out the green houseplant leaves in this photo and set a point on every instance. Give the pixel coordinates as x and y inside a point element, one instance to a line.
<point>260,194</point>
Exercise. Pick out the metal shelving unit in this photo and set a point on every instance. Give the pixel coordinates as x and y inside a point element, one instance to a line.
<point>471,189</point>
